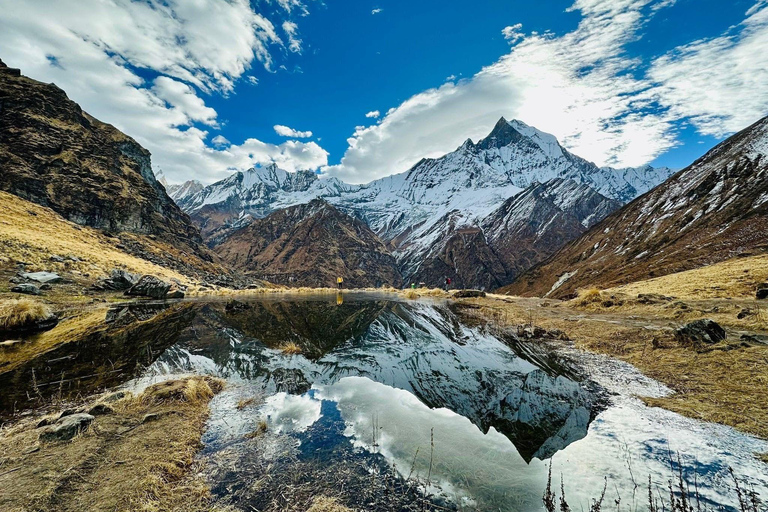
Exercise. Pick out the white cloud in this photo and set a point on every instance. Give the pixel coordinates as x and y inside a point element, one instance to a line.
<point>93,49</point>
<point>183,100</point>
<point>373,114</point>
<point>377,10</point>
<point>252,80</point>
<point>719,84</point>
<point>291,30</point>
<point>582,87</point>
<point>512,33</point>
<point>285,131</point>
<point>220,140</point>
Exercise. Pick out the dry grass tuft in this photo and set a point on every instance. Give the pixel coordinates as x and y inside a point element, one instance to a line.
<point>261,429</point>
<point>290,348</point>
<point>16,314</point>
<point>326,504</point>
<point>411,294</point>
<point>245,402</point>
<point>588,297</point>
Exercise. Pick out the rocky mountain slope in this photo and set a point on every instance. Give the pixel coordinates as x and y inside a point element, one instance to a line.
<point>713,210</point>
<point>54,154</point>
<point>310,245</point>
<point>418,212</point>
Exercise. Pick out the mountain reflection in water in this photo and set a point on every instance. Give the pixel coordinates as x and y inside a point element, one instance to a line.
<point>423,349</point>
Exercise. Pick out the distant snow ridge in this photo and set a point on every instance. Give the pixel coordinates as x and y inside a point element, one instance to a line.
<point>408,210</point>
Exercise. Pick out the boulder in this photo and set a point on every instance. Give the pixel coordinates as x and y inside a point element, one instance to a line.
<point>56,258</point>
<point>118,280</point>
<point>701,331</point>
<point>762,291</point>
<point>28,289</point>
<point>100,410</point>
<point>66,428</point>
<point>42,277</point>
<point>174,294</point>
<point>235,306</point>
<point>467,294</point>
<point>149,286</point>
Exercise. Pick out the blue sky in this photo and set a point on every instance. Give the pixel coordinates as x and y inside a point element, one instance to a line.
<point>619,82</point>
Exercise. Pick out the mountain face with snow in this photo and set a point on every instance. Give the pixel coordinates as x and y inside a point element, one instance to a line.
<point>713,210</point>
<point>419,213</point>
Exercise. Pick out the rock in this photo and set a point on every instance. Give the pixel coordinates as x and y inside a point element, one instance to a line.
<point>118,280</point>
<point>114,397</point>
<point>535,332</point>
<point>100,410</point>
<point>16,280</point>
<point>67,412</point>
<point>45,287</point>
<point>31,326</point>
<point>175,294</point>
<point>27,289</point>
<point>652,298</point>
<point>128,313</point>
<point>466,294</point>
<point>31,450</point>
<point>149,286</point>
<point>234,306</point>
<point>74,259</point>
<point>744,313</point>
<point>42,277</point>
<point>701,331</point>
<point>56,258</point>
<point>66,428</point>
<point>762,291</point>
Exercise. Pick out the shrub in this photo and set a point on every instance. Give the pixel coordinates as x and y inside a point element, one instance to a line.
<point>22,313</point>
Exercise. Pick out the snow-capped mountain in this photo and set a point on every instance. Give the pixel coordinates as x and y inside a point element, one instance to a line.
<point>713,210</point>
<point>408,210</point>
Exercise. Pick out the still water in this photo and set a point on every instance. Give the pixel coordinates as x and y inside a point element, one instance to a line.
<point>398,406</point>
<point>403,406</point>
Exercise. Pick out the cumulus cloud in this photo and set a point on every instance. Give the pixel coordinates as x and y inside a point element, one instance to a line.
<point>95,50</point>
<point>285,131</point>
<point>373,114</point>
<point>377,10</point>
<point>513,33</point>
<point>220,140</point>
<point>582,87</point>
<point>291,30</point>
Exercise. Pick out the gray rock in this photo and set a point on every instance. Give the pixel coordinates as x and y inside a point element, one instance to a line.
<point>114,397</point>
<point>16,280</point>
<point>100,410</point>
<point>701,331</point>
<point>42,277</point>
<point>149,286</point>
<point>27,289</point>
<point>118,280</point>
<point>57,258</point>
<point>175,294</point>
<point>66,428</point>
<point>762,292</point>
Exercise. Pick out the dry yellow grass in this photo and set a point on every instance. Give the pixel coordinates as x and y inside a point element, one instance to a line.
<point>326,504</point>
<point>122,462</point>
<point>290,348</point>
<point>32,233</point>
<point>15,314</point>
<point>734,278</point>
<point>587,297</point>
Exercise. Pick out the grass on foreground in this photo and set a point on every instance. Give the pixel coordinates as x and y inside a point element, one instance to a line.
<point>722,386</point>
<point>290,348</point>
<point>20,313</point>
<point>733,278</point>
<point>32,233</point>
<point>326,504</point>
<point>122,462</point>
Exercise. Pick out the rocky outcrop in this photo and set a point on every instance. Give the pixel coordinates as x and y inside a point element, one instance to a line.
<point>118,280</point>
<point>66,428</point>
<point>311,245</point>
<point>713,210</point>
<point>149,286</point>
<point>26,289</point>
<point>701,331</point>
<point>56,155</point>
